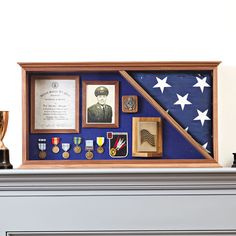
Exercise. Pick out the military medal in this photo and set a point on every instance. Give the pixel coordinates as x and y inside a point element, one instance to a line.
<point>42,147</point>
<point>100,142</point>
<point>55,142</point>
<point>89,149</point>
<point>77,142</point>
<point>89,155</point>
<point>65,148</point>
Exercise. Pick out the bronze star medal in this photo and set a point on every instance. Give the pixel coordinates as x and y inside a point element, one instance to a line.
<point>42,155</point>
<point>42,148</point>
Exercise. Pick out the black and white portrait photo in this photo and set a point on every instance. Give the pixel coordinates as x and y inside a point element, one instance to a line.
<point>100,112</point>
<point>100,105</point>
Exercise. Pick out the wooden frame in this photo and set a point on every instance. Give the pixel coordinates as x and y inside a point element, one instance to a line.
<point>113,110</point>
<point>130,107</point>
<point>123,68</point>
<point>35,114</point>
<point>155,128</point>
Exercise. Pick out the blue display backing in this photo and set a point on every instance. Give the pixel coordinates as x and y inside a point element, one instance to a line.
<point>174,145</point>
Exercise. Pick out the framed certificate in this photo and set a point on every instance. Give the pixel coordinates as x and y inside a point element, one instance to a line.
<point>54,104</point>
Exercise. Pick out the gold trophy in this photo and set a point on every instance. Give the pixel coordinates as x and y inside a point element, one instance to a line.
<point>4,152</point>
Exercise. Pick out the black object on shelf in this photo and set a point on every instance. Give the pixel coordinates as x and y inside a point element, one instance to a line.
<point>234,163</point>
<point>4,152</point>
<point>4,159</point>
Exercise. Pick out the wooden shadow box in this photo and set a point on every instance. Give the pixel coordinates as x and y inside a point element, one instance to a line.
<point>73,116</point>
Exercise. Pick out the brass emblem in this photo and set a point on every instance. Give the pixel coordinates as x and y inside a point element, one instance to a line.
<point>146,136</point>
<point>130,104</point>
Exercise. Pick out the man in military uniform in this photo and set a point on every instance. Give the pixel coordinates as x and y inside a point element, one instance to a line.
<point>100,112</point>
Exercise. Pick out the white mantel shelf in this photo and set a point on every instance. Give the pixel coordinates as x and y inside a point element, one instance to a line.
<point>118,202</point>
<point>119,171</point>
<point>118,179</point>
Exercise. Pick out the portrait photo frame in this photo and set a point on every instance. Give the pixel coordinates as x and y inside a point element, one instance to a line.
<point>54,104</point>
<point>104,113</point>
<point>147,137</point>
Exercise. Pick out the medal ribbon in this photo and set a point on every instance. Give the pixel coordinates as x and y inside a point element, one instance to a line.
<point>89,145</point>
<point>42,144</point>
<point>55,140</point>
<point>65,146</point>
<point>100,141</point>
<point>77,140</point>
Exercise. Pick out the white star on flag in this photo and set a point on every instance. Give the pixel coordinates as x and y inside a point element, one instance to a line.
<point>201,83</point>
<point>162,84</point>
<point>202,116</point>
<point>182,101</point>
<point>205,146</point>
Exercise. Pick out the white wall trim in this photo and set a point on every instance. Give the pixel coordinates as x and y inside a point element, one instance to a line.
<point>131,233</point>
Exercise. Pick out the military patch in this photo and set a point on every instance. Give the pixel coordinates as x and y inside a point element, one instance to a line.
<point>118,144</point>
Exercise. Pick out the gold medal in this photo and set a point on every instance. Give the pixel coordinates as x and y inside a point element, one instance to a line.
<point>113,151</point>
<point>89,149</point>
<point>100,150</point>
<point>55,149</point>
<point>89,155</point>
<point>77,149</point>
<point>65,148</point>
<point>100,142</point>
<point>55,142</point>
<point>42,155</point>
<point>65,155</point>
<point>77,142</point>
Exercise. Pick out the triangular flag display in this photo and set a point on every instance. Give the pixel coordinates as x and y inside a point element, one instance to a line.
<point>186,96</point>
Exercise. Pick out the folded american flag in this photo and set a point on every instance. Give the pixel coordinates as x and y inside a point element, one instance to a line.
<point>187,96</point>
